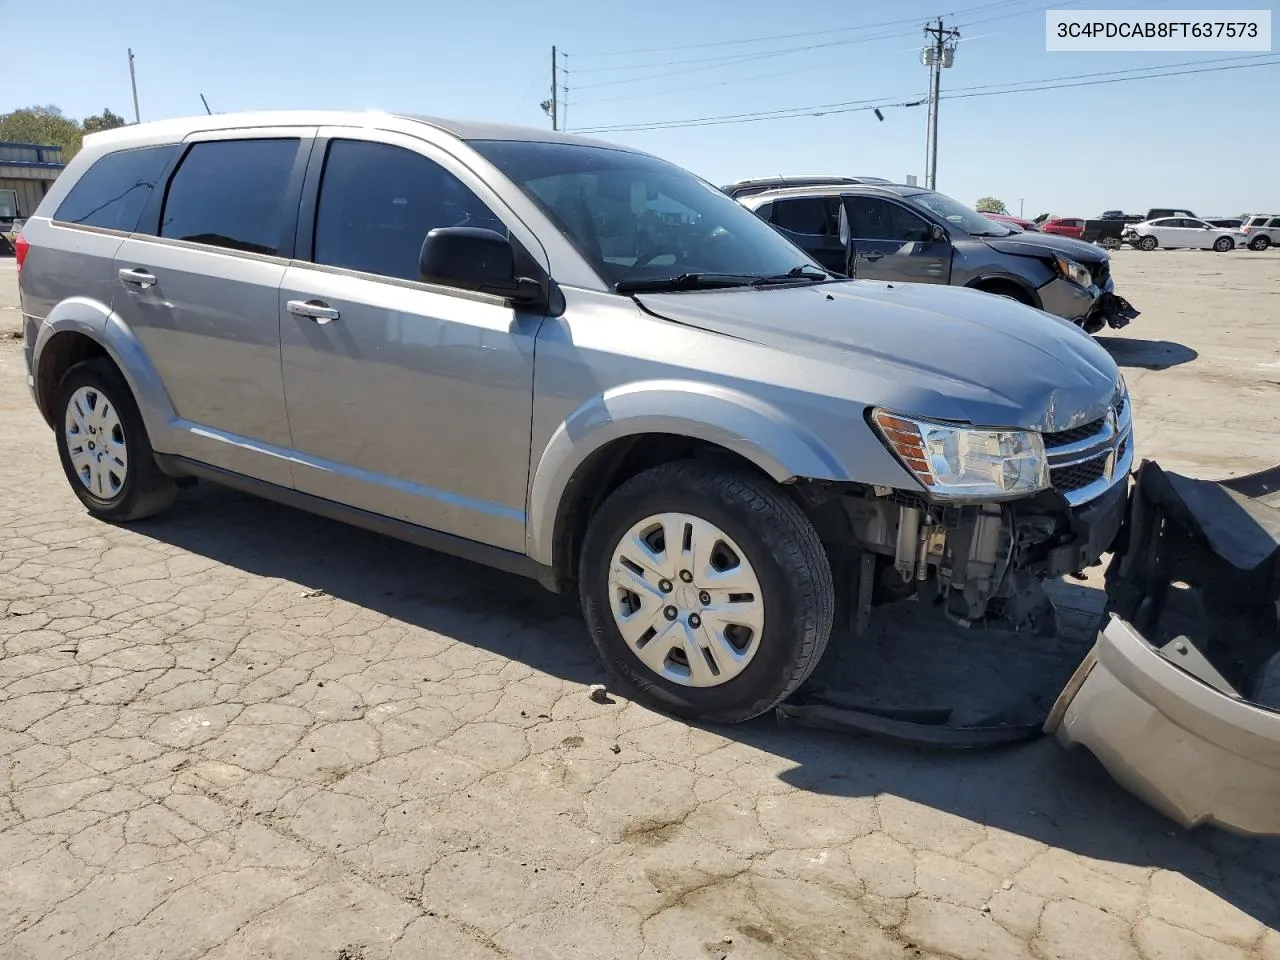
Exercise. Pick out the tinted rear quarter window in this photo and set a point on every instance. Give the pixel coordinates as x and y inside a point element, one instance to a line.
<point>114,191</point>
<point>231,193</point>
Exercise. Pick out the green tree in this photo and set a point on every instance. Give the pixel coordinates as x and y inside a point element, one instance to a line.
<point>42,125</point>
<point>990,205</point>
<point>103,121</point>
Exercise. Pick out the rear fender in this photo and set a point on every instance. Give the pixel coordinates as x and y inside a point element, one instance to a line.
<point>774,441</point>
<point>93,319</point>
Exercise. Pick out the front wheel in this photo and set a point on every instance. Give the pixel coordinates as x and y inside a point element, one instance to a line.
<point>1259,243</point>
<point>706,591</point>
<point>1223,244</point>
<point>104,448</point>
<point>1147,244</point>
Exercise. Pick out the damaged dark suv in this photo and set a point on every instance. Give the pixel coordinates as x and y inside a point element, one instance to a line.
<point>884,231</point>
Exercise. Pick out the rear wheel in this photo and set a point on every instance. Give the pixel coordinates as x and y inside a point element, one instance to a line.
<point>104,448</point>
<point>1147,243</point>
<point>1260,243</point>
<point>1223,244</point>
<point>706,590</point>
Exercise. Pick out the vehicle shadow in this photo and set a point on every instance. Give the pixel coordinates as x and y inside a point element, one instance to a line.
<point>1036,791</point>
<point>1147,354</point>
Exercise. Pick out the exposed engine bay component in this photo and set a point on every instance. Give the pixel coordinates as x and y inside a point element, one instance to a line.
<point>983,563</point>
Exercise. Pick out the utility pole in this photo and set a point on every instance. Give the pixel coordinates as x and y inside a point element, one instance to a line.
<point>940,54</point>
<point>1020,202</point>
<point>555,92</point>
<point>552,105</point>
<point>133,79</point>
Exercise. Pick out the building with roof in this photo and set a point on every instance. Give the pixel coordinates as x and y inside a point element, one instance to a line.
<point>28,169</point>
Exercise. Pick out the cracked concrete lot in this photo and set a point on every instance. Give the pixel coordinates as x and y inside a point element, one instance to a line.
<point>238,731</point>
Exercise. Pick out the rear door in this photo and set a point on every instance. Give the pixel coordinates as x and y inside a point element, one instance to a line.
<point>198,286</point>
<point>814,225</point>
<point>1166,230</point>
<point>406,399</point>
<point>1198,234</point>
<point>892,242</point>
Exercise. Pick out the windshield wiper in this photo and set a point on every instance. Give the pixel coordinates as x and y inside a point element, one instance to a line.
<point>802,272</point>
<point>686,281</point>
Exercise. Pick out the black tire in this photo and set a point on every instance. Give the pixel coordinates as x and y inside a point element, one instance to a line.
<point>1223,244</point>
<point>145,491</point>
<point>1259,243</point>
<point>1009,291</point>
<point>1147,244</point>
<point>782,547</point>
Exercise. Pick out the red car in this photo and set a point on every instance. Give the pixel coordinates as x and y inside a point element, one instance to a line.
<point>1014,221</point>
<point>1064,227</point>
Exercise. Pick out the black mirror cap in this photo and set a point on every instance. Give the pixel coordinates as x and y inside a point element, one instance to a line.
<point>938,234</point>
<point>473,258</point>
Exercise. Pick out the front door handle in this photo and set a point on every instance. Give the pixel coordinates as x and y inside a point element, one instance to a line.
<point>316,310</point>
<point>872,255</point>
<point>138,277</point>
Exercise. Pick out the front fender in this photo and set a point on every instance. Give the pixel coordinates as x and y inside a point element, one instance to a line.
<point>774,441</point>
<point>93,319</point>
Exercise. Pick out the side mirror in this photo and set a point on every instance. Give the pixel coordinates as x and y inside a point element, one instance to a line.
<point>937,234</point>
<point>472,258</point>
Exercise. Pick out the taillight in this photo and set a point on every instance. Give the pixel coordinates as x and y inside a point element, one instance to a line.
<point>20,248</point>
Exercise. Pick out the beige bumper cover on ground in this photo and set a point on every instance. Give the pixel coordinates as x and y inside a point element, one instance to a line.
<point>1193,752</point>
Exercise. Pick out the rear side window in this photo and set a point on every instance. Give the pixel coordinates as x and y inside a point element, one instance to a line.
<point>114,191</point>
<point>231,193</point>
<point>378,202</point>
<point>816,216</point>
<point>1275,221</point>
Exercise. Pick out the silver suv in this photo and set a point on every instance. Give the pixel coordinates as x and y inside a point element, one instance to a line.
<point>572,361</point>
<point>1262,231</point>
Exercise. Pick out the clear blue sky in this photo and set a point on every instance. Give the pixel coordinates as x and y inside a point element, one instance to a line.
<point>1206,141</point>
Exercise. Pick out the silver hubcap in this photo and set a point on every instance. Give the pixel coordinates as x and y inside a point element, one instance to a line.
<point>686,600</point>
<point>95,443</point>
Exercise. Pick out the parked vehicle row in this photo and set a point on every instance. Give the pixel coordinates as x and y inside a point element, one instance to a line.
<point>616,378</point>
<point>884,231</point>
<point>1174,233</point>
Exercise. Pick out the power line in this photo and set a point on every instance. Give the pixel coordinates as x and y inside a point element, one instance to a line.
<point>961,93</point>
<point>715,63</point>
<point>809,33</point>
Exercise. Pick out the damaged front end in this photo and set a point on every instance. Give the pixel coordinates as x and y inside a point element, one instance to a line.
<point>1180,697</point>
<point>984,563</point>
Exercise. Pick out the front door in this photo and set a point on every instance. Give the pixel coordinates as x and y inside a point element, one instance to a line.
<point>893,243</point>
<point>407,400</point>
<point>202,297</point>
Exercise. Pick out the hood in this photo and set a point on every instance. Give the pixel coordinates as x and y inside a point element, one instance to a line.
<point>1046,245</point>
<point>947,353</point>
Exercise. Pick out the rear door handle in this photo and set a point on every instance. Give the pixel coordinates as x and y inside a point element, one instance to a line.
<point>138,277</point>
<point>872,255</point>
<point>316,310</point>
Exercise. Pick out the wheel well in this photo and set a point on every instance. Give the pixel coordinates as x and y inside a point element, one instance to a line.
<point>1006,288</point>
<point>60,354</point>
<point>607,469</point>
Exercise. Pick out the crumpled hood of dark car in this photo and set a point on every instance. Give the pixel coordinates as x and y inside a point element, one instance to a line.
<point>949,352</point>
<point>1045,245</point>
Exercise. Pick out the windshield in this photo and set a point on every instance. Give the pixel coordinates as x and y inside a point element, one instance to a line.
<point>958,215</point>
<point>638,219</point>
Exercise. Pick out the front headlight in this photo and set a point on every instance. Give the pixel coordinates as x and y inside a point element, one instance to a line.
<point>963,462</point>
<point>1076,273</point>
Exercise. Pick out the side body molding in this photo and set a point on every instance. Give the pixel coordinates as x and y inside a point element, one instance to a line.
<point>774,441</point>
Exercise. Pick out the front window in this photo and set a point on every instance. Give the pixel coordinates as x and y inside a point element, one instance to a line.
<point>636,218</point>
<point>957,214</point>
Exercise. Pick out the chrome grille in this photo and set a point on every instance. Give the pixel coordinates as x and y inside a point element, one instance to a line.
<point>1085,461</point>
